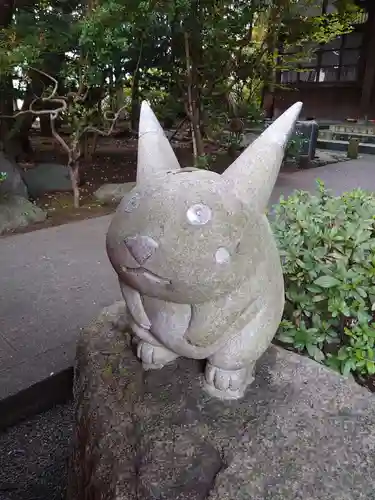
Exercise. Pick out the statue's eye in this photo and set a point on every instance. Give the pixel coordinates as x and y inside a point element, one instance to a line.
<point>132,203</point>
<point>199,214</point>
<point>222,256</point>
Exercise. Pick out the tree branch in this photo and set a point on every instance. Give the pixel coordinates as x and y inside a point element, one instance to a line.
<point>103,133</point>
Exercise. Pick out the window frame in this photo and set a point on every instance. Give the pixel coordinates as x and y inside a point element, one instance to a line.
<point>319,52</point>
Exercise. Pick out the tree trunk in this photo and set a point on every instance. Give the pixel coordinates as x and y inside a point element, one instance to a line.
<point>17,139</point>
<point>192,105</point>
<point>6,85</point>
<point>6,108</point>
<point>94,144</point>
<point>74,177</point>
<point>194,58</point>
<point>135,107</point>
<point>89,144</point>
<point>45,126</point>
<point>20,132</point>
<point>272,43</point>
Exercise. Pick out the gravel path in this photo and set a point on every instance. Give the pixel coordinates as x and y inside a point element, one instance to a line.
<point>33,456</point>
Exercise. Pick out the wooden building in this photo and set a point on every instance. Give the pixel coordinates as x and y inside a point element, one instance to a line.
<point>339,81</point>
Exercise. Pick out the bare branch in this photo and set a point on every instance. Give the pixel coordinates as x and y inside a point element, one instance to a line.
<point>55,82</point>
<point>58,137</point>
<point>52,98</point>
<point>103,133</point>
<point>39,112</point>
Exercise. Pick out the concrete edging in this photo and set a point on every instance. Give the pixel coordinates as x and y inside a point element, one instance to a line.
<point>36,384</point>
<point>40,397</point>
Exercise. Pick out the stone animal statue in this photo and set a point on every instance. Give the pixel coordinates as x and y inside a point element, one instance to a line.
<point>197,263</point>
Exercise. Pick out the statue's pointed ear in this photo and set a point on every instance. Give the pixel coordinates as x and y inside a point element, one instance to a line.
<point>253,175</point>
<point>155,154</point>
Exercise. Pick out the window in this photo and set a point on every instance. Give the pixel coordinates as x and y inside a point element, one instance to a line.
<point>336,61</point>
<point>330,58</point>
<point>307,76</point>
<point>349,74</point>
<point>353,41</point>
<point>289,77</point>
<point>327,75</point>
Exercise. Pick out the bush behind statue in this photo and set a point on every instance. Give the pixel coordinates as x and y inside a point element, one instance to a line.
<point>327,247</point>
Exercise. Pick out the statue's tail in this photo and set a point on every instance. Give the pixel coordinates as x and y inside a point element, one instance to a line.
<point>141,326</point>
<point>183,347</point>
<point>178,345</point>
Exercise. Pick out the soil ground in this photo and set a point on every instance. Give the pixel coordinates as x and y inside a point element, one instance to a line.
<point>34,456</point>
<point>114,161</point>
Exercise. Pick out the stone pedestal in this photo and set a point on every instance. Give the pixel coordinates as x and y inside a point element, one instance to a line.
<point>353,148</point>
<point>301,431</point>
<point>309,131</point>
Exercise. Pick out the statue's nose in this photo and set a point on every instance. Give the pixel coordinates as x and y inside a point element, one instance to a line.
<point>141,248</point>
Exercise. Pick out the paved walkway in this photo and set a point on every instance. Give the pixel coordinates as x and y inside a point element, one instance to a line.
<point>54,281</point>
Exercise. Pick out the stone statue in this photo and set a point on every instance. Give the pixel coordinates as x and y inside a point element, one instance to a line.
<point>197,263</point>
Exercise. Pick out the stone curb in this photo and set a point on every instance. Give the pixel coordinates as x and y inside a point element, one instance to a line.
<point>38,398</point>
<point>36,385</point>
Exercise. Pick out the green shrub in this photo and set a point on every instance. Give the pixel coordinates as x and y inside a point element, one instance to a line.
<point>3,177</point>
<point>327,247</point>
<point>168,109</point>
<point>295,146</point>
<point>205,161</point>
<point>250,111</point>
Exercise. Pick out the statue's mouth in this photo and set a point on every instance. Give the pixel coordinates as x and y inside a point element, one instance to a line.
<point>149,275</point>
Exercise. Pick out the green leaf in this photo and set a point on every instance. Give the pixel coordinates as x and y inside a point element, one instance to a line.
<point>319,298</point>
<point>342,354</point>
<point>370,366</point>
<point>314,289</point>
<point>315,353</point>
<point>327,281</point>
<point>363,316</point>
<point>333,363</point>
<point>362,292</point>
<point>311,349</point>
<point>287,339</point>
<point>347,367</point>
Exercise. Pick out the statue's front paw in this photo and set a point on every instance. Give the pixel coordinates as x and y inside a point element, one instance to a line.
<point>227,384</point>
<point>154,357</point>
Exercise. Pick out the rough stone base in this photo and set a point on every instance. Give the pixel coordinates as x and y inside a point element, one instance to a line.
<point>17,212</point>
<point>301,432</point>
<point>13,184</point>
<point>112,194</point>
<point>47,178</point>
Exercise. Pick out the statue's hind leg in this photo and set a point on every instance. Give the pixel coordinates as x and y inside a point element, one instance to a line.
<point>149,350</point>
<point>154,357</point>
<point>231,369</point>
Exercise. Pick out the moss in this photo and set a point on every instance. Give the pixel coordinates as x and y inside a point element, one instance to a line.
<point>107,371</point>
